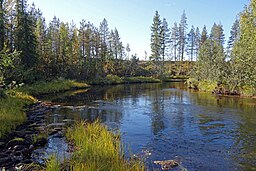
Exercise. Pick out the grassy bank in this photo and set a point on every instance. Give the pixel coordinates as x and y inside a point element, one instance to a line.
<point>55,86</point>
<point>12,105</point>
<point>211,86</point>
<point>11,111</point>
<point>96,148</point>
<point>180,78</point>
<point>113,79</point>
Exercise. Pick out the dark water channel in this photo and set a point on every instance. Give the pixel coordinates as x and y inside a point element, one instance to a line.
<point>203,131</point>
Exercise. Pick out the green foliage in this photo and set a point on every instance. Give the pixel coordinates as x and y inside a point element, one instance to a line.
<point>207,85</point>
<point>243,55</point>
<point>211,63</point>
<point>6,61</point>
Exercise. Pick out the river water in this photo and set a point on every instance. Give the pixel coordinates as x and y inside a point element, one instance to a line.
<point>167,121</point>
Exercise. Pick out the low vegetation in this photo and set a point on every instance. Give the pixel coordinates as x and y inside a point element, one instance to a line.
<point>96,148</point>
<point>12,102</point>
<point>55,86</point>
<point>11,111</point>
<point>114,79</point>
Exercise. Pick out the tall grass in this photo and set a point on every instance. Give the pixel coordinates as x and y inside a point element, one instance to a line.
<point>98,149</point>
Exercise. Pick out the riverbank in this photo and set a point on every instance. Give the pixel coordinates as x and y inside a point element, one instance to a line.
<point>113,80</point>
<point>24,130</point>
<point>220,88</point>
<point>12,105</point>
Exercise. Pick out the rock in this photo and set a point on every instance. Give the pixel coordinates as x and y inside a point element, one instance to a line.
<point>26,152</point>
<point>18,147</point>
<point>17,153</point>
<point>52,132</point>
<point>167,164</point>
<point>41,142</point>
<point>27,161</point>
<point>31,147</point>
<point>5,160</point>
<point>15,141</point>
<point>58,135</point>
<point>54,125</point>
<point>2,144</point>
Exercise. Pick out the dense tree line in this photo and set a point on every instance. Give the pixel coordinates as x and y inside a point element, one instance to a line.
<point>233,64</point>
<point>33,50</point>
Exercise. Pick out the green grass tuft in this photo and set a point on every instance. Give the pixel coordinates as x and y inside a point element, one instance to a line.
<point>96,149</point>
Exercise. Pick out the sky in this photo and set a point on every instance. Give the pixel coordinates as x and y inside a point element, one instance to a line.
<point>133,18</point>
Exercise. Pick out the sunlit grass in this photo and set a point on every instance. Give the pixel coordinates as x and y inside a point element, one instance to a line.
<point>11,111</point>
<point>141,79</point>
<point>96,148</point>
<point>113,79</point>
<point>52,87</point>
<point>11,106</point>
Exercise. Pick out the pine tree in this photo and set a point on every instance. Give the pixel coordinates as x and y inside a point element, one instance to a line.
<point>128,50</point>
<point>197,42</point>
<point>175,40</point>
<point>104,45</point>
<point>182,35</point>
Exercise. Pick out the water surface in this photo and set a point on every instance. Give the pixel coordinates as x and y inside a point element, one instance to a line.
<point>203,131</point>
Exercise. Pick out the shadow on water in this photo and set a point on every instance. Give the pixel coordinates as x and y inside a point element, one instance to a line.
<point>205,132</point>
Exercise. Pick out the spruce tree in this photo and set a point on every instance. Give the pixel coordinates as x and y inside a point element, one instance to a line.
<point>204,36</point>
<point>156,38</point>
<point>165,39</point>
<point>25,39</point>
<point>191,43</point>
<point>243,55</point>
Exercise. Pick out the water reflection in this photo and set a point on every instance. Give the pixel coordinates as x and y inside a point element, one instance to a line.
<point>206,132</point>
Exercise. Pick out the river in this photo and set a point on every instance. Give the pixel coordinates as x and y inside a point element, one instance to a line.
<point>167,121</point>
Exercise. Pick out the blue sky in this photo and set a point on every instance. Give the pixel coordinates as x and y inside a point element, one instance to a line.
<point>133,18</point>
